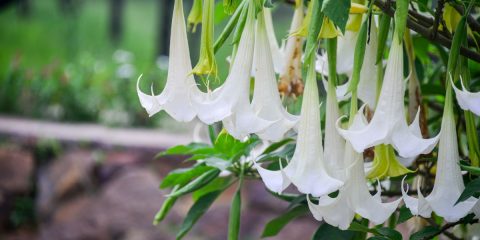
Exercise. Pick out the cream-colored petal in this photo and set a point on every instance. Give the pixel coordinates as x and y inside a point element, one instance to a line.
<point>467,100</point>
<point>307,169</point>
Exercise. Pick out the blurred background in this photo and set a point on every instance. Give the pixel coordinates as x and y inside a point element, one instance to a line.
<point>76,148</point>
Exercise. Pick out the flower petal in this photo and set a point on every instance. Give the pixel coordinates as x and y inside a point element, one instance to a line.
<point>467,100</point>
<point>275,181</point>
<point>307,169</point>
<point>417,206</point>
<point>334,211</point>
<point>266,100</point>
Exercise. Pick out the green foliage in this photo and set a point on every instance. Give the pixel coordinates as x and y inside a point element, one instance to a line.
<point>326,232</point>
<point>424,233</point>
<point>196,212</point>
<point>275,225</point>
<point>166,207</point>
<point>337,11</point>
<point>472,188</point>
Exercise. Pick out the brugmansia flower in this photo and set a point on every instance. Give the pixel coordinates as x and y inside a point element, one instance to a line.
<point>388,125</point>
<point>448,180</point>
<point>334,143</point>
<point>266,99</point>
<point>277,52</point>
<point>306,170</point>
<point>231,101</point>
<point>353,197</point>
<point>175,97</point>
<point>467,100</point>
<point>367,86</point>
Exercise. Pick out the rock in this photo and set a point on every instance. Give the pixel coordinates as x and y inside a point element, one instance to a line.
<point>16,168</point>
<point>68,175</point>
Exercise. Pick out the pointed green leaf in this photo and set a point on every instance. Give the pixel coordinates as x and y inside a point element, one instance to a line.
<point>197,183</point>
<point>234,217</point>
<point>196,211</point>
<point>471,188</point>
<point>327,232</point>
<point>337,11</point>
<point>276,225</point>
<point>165,209</point>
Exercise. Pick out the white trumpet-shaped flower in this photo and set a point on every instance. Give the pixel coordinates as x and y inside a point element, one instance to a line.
<point>467,100</point>
<point>231,101</point>
<point>334,143</point>
<point>388,125</point>
<point>345,50</point>
<point>266,100</point>
<point>353,198</point>
<point>448,180</point>
<point>276,51</point>
<point>307,169</point>
<point>175,97</point>
<point>367,86</point>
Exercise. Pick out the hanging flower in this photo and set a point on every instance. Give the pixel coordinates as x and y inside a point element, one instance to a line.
<point>388,125</point>
<point>266,100</point>
<point>278,54</point>
<point>353,198</point>
<point>367,86</point>
<point>175,97</point>
<point>231,101</point>
<point>306,170</point>
<point>448,180</point>
<point>467,100</point>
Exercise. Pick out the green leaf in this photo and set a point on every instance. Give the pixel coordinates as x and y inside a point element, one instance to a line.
<point>378,238</point>
<point>182,149</point>
<point>217,184</point>
<point>313,31</point>
<point>183,175</point>
<point>276,225</point>
<point>327,232</point>
<point>197,183</point>
<point>424,233</point>
<point>383,29</point>
<point>277,145</point>
<point>165,209</point>
<point>358,227</point>
<point>337,11</point>
<point>228,29</point>
<point>470,169</point>
<point>401,15</point>
<point>389,233</point>
<point>196,211</point>
<point>234,217</point>
<point>471,188</point>
<point>404,215</point>
<point>231,148</point>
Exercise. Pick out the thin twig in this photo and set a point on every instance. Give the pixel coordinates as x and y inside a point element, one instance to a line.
<point>425,32</point>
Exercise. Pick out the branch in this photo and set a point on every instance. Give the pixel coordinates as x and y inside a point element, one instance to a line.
<point>426,33</point>
<point>443,230</point>
<point>474,25</point>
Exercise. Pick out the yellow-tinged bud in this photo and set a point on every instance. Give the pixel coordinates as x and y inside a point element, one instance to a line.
<point>195,15</point>
<point>206,63</point>
<point>385,163</point>
<point>356,8</point>
<point>328,29</point>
